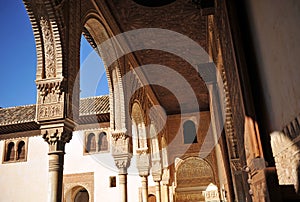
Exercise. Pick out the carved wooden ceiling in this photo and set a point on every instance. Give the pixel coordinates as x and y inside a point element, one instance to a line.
<point>181,16</point>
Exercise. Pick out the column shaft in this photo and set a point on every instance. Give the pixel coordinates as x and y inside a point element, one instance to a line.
<point>144,188</point>
<point>56,160</point>
<point>123,187</point>
<point>165,191</point>
<point>157,191</point>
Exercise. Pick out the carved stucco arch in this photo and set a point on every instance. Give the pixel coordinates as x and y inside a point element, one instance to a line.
<point>96,31</point>
<point>198,162</point>
<point>48,34</point>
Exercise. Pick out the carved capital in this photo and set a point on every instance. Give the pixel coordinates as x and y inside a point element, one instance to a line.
<point>143,163</point>
<point>57,138</point>
<point>122,162</point>
<point>156,169</point>
<point>165,176</point>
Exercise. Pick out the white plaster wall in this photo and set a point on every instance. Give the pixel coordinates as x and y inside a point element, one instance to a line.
<point>26,181</point>
<point>275,26</point>
<point>103,166</point>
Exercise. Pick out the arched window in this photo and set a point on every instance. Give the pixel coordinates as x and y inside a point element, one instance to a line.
<point>189,132</point>
<point>151,198</point>
<point>91,143</point>
<point>10,152</point>
<point>21,150</point>
<point>82,196</point>
<point>102,143</point>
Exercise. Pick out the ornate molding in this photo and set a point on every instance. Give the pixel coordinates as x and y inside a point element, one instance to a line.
<point>50,99</point>
<point>48,87</point>
<point>116,135</point>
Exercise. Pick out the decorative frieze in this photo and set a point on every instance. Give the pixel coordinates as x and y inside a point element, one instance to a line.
<point>50,101</point>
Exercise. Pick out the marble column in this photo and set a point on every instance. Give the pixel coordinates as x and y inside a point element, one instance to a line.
<point>122,157</point>
<point>157,191</point>
<point>165,185</point>
<point>122,163</point>
<point>56,138</point>
<point>144,188</point>
<point>123,186</point>
<point>143,166</point>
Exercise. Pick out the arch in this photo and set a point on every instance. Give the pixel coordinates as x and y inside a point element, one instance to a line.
<point>82,196</point>
<point>91,143</point>
<point>138,126</point>
<point>77,193</point>
<point>151,198</point>
<point>189,132</point>
<point>10,152</point>
<point>98,31</point>
<point>194,171</point>
<point>193,175</point>
<point>102,142</point>
<point>21,150</point>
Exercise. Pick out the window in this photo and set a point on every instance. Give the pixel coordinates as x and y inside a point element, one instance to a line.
<point>189,132</point>
<point>102,143</point>
<point>15,151</point>
<point>21,150</point>
<point>91,143</point>
<point>96,141</point>
<point>112,181</point>
<point>10,152</point>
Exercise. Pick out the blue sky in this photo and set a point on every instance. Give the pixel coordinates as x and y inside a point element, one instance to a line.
<point>18,60</point>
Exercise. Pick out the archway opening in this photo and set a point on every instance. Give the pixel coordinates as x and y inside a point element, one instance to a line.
<point>93,78</point>
<point>82,196</point>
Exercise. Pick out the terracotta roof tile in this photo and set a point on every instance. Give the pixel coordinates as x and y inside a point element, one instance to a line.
<point>25,114</point>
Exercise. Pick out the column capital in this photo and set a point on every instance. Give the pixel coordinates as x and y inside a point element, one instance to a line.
<point>57,138</point>
<point>166,176</point>
<point>122,162</point>
<point>143,163</point>
<point>156,170</point>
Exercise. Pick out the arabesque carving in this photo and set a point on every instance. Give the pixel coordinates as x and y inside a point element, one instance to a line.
<point>49,48</point>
